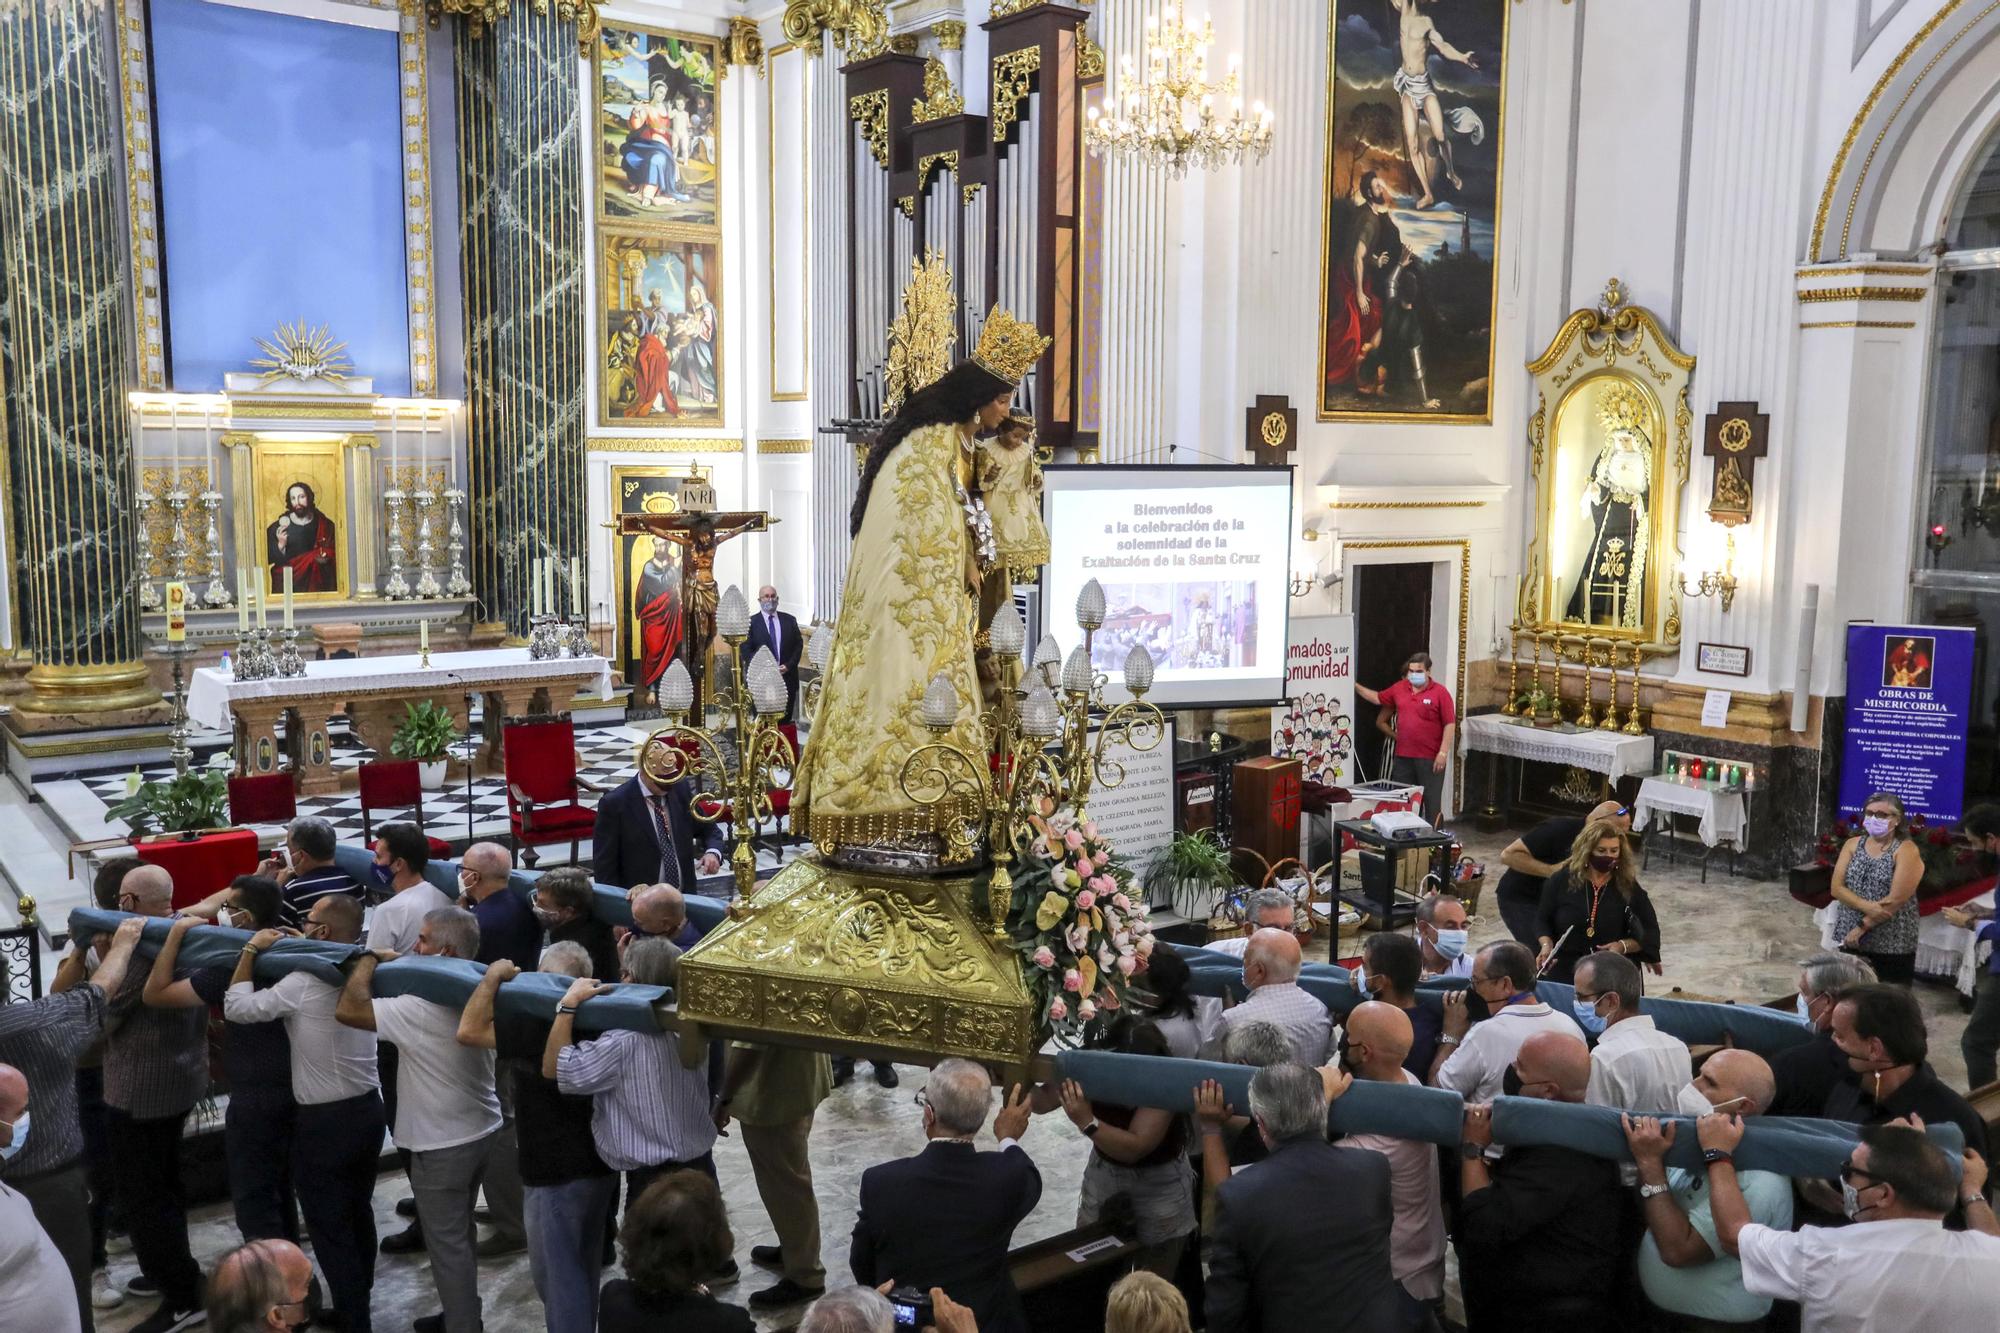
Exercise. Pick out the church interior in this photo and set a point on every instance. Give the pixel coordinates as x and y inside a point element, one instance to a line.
<point>1311,446</point>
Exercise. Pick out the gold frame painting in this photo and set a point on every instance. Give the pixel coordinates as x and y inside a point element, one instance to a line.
<point>1411,187</point>
<point>648,345</point>
<point>639,489</point>
<point>676,145</point>
<point>1610,444</point>
<point>320,462</point>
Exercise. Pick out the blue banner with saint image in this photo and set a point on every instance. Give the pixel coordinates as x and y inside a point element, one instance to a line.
<point>1909,701</point>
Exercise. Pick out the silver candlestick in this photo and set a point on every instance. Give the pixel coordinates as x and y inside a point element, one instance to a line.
<point>218,593</point>
<point>253,659</point>
<point>287,660</point>
<point>177,500</point>
<point>149,592</point>
<point>177,731</point>
<point>396,588</point>
<point>577,638</point>
<point>543,640</point>
<point>456,585</point>
<point>427,584</point>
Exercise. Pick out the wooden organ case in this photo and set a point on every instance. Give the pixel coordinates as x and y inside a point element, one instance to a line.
<point>1005,198</point>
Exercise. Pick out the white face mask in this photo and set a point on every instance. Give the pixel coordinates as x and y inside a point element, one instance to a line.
<point>1850,1202</point>
<point>770,605</point>
<point>224,917</point>
<point>1805,1011</point>
<point>1418,680</point>
<point>20,1138</point>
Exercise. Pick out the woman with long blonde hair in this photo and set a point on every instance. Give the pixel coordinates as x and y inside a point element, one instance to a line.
<point>1593,904</point>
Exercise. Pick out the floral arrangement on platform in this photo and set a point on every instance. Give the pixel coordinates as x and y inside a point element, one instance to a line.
<point>1081,933</point>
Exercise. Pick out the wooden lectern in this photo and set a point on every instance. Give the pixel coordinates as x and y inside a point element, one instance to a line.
<point>697,534</point>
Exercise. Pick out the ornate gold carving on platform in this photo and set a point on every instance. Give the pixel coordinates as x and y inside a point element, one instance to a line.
<point>295,352</point>
<point>871,112</point>
<point>940,99</point>
<point>1013,75</point>
<point>921,335</point>
<point>1089,57</point>
<point>876,961</point>
<point>1818,294</point>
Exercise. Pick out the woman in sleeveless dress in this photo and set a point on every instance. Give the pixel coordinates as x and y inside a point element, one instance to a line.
<point>1875,891</point>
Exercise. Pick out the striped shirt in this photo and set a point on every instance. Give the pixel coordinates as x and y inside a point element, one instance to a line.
<point>646,1109</point>
<point>43,1038</point>
<point>307,887</point>
<point>330,1061</point>
<point>156,1060</point>
<point>1303,1019</point>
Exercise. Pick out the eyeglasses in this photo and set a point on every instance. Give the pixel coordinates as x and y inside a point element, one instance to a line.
<point>1849,1171</point>
<point>923,1098</point>
<point>1622,812</point>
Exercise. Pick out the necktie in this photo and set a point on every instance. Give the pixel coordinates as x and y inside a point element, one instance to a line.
<point>771,622</point>
<point>663,830</point>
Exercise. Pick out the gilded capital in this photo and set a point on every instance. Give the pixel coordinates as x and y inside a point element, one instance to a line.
<point>743,46</point>
<point>950,34</point>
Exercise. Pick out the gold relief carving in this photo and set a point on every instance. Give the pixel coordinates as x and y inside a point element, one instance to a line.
<point>1007,8</point>
<point>1862,324</point>
<point>1817,294</point>
<point>1408,504</point>
<point>904,43</point>
<point>950,34</point>
<point>719,995</point>
<point>784,446</point>
<point>158,533</point>
<point>1089,57</point>
<point>907,206</point>
<point>967,191</point>
<point>1882,270</point>
<point>1734,435</point>
<point>948,160</point>
<point>1013,75</point>
<point>662,444</point>
<point>871,112</point>
<point>1272,429</point>
<point>940,99</point>
<point>1732,493</point>
<point>743,46</point>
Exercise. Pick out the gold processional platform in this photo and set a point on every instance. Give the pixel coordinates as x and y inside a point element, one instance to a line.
<point>870,965</point>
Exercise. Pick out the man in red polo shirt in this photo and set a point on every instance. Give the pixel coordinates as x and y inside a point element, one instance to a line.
<point>1426,724</point>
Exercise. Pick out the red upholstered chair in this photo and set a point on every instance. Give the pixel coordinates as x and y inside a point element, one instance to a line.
<point>392,784</point>
<point>263,798</point>
<point>542,787</point>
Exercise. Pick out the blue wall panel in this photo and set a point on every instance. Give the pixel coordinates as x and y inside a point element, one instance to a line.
<point>280,143</point>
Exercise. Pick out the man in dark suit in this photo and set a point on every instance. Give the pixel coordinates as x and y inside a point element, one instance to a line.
<point>1302,1238</point>
<point>946,1217</point>
<point>778,631</point>
<point>636,822</point>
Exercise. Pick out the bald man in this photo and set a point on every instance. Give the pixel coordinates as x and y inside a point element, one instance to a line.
<point>1271,964</point>
<point>1683,1267</point>
<point>35,1286</point>
<point>1534,856</point>
<point>1539,1234</point>
<point>778,631</point>
<point>262,1287</point>
<point>507,925</point>
<point>1374,1042</point>
<point>661,911</point>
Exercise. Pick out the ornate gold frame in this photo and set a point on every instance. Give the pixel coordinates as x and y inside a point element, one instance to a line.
<point>1625,343</point>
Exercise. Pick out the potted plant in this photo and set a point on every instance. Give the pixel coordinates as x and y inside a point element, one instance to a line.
<point>1191,873</point>
<point>185,804</point>
<point>425,734</point>
<point>1537,705</point>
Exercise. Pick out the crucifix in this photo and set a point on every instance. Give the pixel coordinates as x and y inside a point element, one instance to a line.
<point>697,533</point>
<point>1736,436</point>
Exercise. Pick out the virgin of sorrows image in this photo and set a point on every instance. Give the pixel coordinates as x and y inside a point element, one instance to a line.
<point>301,539</point>
<point>1611,579</point>
<point>656,604</point>
<point>907,614</point>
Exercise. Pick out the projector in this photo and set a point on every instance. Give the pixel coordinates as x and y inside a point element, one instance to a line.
<point>1400,824</point>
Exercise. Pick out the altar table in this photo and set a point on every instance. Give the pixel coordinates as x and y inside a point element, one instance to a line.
<point>374,692</point>
<point>1612,753</point>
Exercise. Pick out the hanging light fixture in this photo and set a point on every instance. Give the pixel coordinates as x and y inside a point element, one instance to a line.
<point>1172,116</point>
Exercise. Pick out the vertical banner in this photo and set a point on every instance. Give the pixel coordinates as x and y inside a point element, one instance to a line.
<point>1316,722</point>
<point>1909,700</point>
<point>1137,816</point>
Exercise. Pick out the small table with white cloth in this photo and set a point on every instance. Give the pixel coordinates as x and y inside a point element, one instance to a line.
<point>1720,809</point>
<point>374,692</point>
<point>1612,753</point>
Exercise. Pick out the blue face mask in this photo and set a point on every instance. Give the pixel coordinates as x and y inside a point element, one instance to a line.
<point>1451,943</point>
<point>20,1139</point>
<point>1587,1016</point>
<point>1805,1011</point>
<point>383,874</point>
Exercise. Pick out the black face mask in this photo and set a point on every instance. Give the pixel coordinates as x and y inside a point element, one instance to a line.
<point>1476,1007</point>
<point>1340,1053</point>
<point>1510,1082</point>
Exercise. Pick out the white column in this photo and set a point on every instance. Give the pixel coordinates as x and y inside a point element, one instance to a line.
<point>833,458</point>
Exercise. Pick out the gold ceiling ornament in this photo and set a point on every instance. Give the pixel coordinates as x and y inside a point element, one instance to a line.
<point>479,14</point>
<point>856,26</point>
<point>922,334</point>
<point>1007,347</point>
<point>743,46</point>
<point>298,353</point>
<point>940,99</point>
<point>871,112</point>
<point>1013,74</point>
<point>1169,114</point>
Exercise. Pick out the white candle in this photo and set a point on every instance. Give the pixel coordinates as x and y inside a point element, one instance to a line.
<point>451,443</point>
<point>208,446</point>
<point>424,637</point>
<point>288,596</point>
<point>549,603</point>
<point>534,587</point>
<point>174,438</point>
<point>242,605</point>
<point>263,609</point>
<point>575,587</point>
<point>395,445</point>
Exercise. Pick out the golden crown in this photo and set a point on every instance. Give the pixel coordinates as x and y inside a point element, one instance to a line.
<point>1621,408</point>
<point>1007,347</point>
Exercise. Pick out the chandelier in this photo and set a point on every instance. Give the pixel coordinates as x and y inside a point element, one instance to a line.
<point>1171,116</point>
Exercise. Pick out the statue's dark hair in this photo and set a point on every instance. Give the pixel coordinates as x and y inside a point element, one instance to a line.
<point>963,390</point>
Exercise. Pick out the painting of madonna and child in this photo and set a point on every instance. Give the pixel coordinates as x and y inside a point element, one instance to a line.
<point>658,133</point>
<point>1413,187</point>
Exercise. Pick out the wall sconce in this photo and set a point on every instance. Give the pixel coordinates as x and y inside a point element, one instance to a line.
<point>1712,584</point>
<point>1305,564</point>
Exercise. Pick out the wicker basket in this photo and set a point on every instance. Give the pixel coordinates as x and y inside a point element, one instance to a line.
<point>1468,891</point>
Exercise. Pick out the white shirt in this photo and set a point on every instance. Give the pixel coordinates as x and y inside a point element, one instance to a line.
<point>1233,946</point>
<point>1303,1019</point>
<point>1460,966</point>
<point>330,1061</point>
<point>1638,1068</point>
<point>444,1091</point>
<point>1877,1277</point>
<point>1476,1068</point>
<point>1187,1035</point>
<point>1416,1227</point>
<point>35,1287</point>
<point>395,924</point>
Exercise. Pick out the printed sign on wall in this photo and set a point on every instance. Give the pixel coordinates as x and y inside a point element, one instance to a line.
<point>1909,698</point>
<point>1316,723</point>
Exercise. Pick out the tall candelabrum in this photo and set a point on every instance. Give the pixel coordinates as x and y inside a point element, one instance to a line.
<point>217,593</point>
<point>456,584</point>
<point>396,586</point>
<point>751,708</point>
<point>149,592</point>
<point>426,501</point>
<point>177,549</point>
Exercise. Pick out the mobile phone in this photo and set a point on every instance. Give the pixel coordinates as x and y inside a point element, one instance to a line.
<point>912,1306</point>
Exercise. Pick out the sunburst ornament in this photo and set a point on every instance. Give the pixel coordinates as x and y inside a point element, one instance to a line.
<point>298,353</point>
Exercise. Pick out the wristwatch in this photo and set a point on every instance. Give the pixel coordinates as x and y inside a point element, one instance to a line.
<point>1714,1155</point>
<point>1090,1130</point>
<point>1448,1040</point>
<point>566,1009</point>
<point>1472,1152</point>
<point>1648,1191</point>
<point>1966,1201</point>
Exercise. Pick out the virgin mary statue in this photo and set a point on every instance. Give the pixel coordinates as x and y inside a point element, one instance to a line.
<point>923,544</point>
<point>1611,579</point>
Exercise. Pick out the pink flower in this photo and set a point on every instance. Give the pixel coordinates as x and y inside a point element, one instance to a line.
<point>1073,840</point>
<point>1072,980</point>
<point>1123,939</point>
<point>1145,946</point>
<point>1090,829</point>
<point>1086,1011</point>
<point>1084,900</point>
<point>1045,957</point>
<point>1085,867</point>
<point>1058,1011</point>
<point>1126,964</point>
<point>1103,884</point>
<point>1121,902</point>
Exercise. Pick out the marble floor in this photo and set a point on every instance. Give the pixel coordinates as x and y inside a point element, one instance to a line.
<point>1729,937</point>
